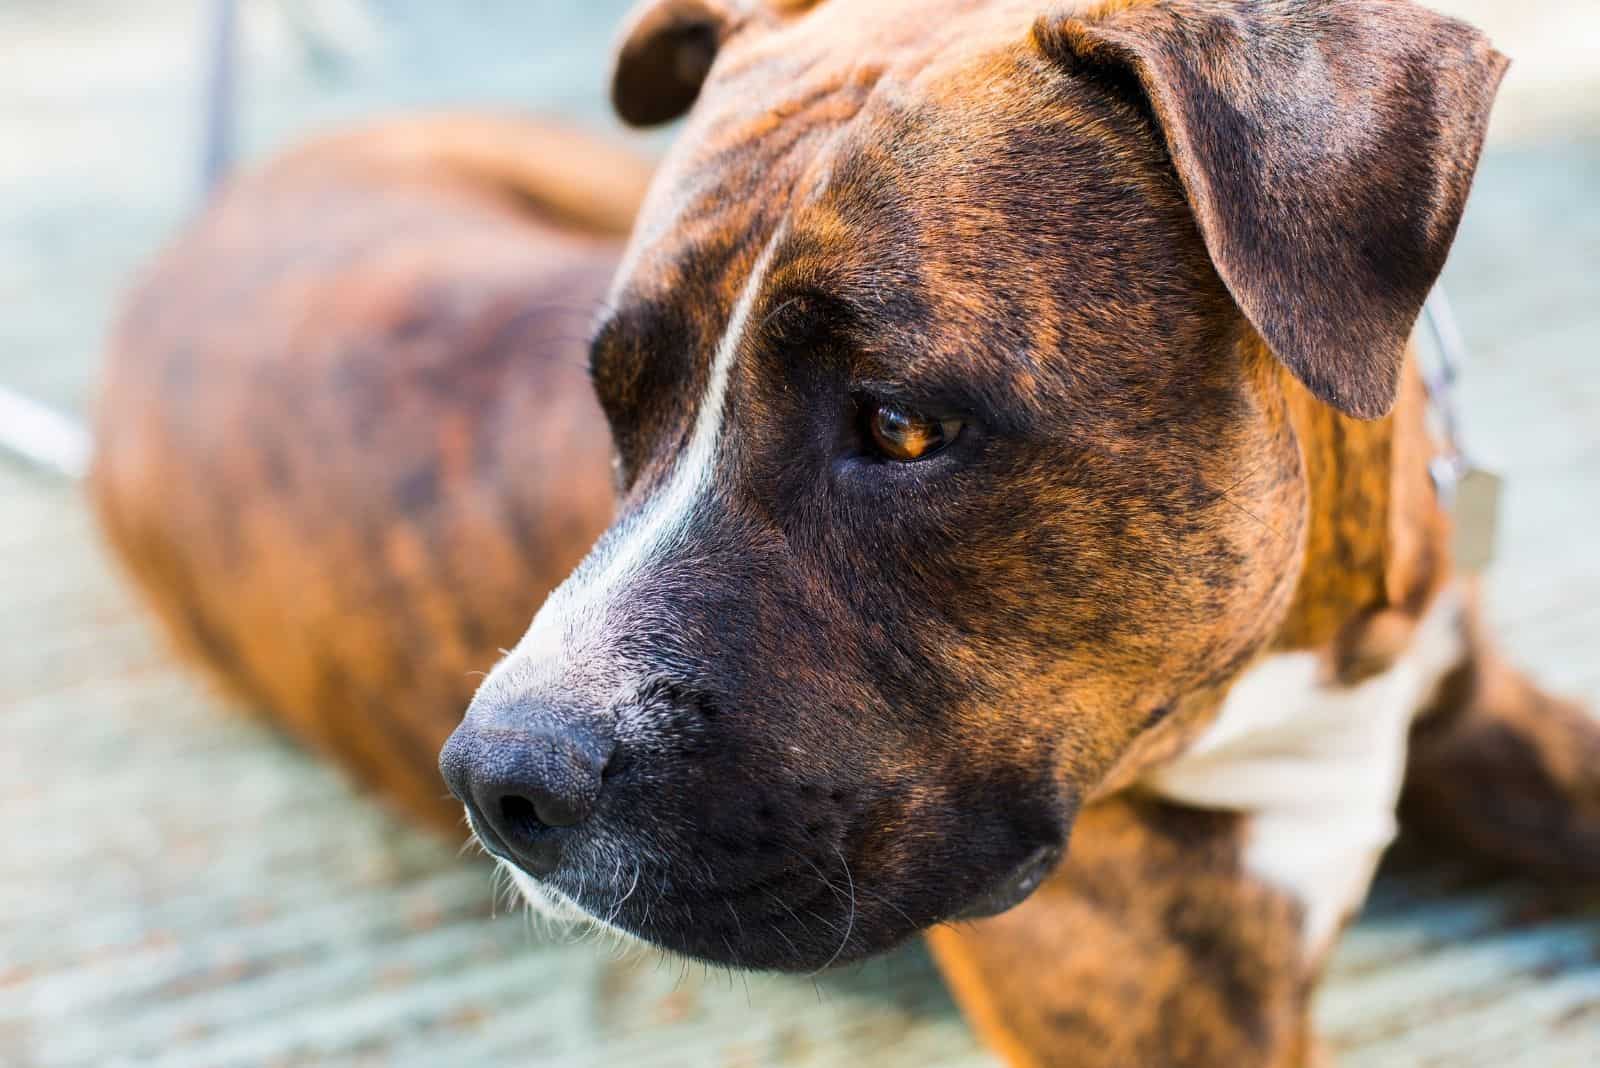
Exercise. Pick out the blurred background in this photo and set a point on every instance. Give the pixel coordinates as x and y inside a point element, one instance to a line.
<point>178,885</point>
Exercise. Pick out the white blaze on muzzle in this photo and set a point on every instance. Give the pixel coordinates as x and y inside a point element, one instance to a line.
<point>574,616</point>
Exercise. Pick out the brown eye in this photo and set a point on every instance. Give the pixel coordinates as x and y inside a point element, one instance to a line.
<point>903,435</point>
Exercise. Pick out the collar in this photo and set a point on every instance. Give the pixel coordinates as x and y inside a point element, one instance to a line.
<point>1465,487</point>
<point>1439,378</point>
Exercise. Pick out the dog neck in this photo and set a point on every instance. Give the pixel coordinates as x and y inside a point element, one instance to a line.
<point>1375,554</point>
<point>1309,742</point>
<point>1376,541</point>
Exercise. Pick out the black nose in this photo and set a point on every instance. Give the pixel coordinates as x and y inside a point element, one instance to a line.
<point>528,781</point>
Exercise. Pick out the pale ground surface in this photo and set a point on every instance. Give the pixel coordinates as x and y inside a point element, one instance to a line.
<point>178,886</point>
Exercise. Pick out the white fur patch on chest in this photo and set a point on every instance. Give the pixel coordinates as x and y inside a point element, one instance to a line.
<point>1316,766</point>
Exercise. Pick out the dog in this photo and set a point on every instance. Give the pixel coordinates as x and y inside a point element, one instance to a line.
<point>1025,533</point>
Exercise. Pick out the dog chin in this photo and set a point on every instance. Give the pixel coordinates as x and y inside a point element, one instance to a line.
<point>1005,894</point>
<point>553,905</point>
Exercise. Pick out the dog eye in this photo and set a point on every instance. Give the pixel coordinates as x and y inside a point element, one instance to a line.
<point>903,435</point>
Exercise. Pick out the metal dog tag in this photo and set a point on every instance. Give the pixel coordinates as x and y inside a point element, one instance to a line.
<point>1477,518</point>
<point>1470,492</point>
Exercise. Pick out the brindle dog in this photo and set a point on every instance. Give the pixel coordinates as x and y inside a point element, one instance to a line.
<point>1016,440</point>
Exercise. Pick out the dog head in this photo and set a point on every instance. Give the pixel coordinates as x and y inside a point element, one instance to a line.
<point>947,372</point>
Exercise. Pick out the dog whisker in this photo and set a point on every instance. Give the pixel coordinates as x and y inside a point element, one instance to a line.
<point>888,903</point>
<point>851,925</point>
<point>616,910</point>
<point>737,922</point>
<point>787,908</point>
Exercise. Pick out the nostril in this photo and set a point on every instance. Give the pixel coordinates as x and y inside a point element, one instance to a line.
<point>556,811</point>
<point>524,824</point>
<point>520,825</point>
<point>527,788</point>
<point>520,816</point>
<point>526,816</point>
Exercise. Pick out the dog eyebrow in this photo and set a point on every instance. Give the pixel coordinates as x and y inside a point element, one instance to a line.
<point>885,358</point>
<point>993,402</point>
<point>793,316</point>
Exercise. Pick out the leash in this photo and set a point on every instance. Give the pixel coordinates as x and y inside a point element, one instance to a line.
<point>1466,488</point>
<point>42,436</point>
<point>219,94</point>
<point>1440,379</point>
<point>51,440</point>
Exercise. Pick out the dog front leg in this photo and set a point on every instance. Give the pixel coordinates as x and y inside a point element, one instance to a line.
<point>1504,770</point>
<point>1149,946</point>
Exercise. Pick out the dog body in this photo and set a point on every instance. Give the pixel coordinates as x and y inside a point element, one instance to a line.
<point>360,378</point>
<point>1025,529</point>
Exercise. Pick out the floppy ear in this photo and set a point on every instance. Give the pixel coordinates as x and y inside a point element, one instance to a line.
<point>1326,148</point>
<point>666,48</point>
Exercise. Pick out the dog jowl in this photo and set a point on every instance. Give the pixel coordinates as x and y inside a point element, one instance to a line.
<point>953,373</point>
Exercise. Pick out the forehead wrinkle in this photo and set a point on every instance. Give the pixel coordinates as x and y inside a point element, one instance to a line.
<point>1000,394</point>
<point>761,148</point>
<point>981,282</point>
<point>891,356</point>
<point>847,154</point>
<point>813,239</point>
<point>929,321</point>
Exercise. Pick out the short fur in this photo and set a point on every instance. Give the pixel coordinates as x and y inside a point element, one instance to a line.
<point>850,700</point>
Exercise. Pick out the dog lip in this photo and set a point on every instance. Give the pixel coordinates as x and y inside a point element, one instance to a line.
<point>1012,890</point>
<point>766,885</point>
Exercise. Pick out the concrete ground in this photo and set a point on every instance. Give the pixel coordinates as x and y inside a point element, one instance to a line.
<point>178,886</point>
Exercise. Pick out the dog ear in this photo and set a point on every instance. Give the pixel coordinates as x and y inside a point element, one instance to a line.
<point>1326,148</point>
<point>666,48</point>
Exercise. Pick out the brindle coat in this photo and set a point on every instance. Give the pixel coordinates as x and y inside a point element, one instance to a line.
<point>346,444</point>
<point>1162,258</point>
